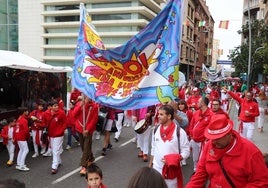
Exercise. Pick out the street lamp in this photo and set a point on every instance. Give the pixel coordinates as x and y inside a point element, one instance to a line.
<point>249,46</point>
<point>257,49</point>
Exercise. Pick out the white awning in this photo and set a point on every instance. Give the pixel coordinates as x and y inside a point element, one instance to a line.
<point>18,60</point>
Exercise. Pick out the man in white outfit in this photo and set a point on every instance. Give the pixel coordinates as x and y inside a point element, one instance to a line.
<point>119,123</point>
<point>165,141</point>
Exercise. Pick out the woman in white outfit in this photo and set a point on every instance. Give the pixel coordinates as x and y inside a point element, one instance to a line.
<point>262,100</point>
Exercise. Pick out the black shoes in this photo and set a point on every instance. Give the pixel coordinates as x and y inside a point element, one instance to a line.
<point>109,146</point>
<point>103,152</point>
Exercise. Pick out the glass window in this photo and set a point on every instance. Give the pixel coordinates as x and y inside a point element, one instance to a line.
<point>111,5</point>
<point>126,16</point>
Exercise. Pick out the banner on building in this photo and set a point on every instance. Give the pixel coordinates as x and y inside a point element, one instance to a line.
<point>212,76</point>
<point>140,73</point>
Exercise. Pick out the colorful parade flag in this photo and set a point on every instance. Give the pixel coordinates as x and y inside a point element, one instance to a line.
<point>140,73</point>
<point>201,23</point>
<point>224,24</point>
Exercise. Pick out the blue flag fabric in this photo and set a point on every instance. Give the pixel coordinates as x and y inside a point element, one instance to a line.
<point>142,72</point>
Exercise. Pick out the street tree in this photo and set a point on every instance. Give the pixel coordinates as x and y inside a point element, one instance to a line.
<point>259,50</point>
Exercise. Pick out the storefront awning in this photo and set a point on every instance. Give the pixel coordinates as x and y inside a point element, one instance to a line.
<point>18,60</point>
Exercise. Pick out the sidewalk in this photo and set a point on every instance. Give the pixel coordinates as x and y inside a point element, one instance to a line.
<point>259,139</point>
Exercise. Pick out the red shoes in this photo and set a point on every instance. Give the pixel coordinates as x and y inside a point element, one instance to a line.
<point>140,154</point>
<point>145,158</point>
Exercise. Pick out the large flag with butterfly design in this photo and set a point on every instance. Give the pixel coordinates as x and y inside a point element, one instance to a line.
<point>142,72</point>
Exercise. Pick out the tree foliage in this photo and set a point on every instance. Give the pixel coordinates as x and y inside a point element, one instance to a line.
<point>259,51</point>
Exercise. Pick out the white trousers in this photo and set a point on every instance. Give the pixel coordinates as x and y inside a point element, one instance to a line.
<point>143,140</point>
<point>261,117</point>
<point>248,128</point>
<point>119,124</point>
<point>34,132</point>
<point>56,147</point>
<point>196,149</point>
<point>127,119</point>
<point>171,183</point>
<point>24,150</point>
<point>10,149</point>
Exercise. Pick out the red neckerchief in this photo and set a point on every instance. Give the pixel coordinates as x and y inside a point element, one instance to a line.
<point>166,134</point>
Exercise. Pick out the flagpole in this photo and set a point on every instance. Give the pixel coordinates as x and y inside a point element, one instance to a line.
<point>83,111</point>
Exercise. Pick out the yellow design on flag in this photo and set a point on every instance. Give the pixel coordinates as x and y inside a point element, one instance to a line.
<point>224,24</point>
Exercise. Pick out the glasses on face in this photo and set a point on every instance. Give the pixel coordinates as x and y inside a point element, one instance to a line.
<point>215,104</point>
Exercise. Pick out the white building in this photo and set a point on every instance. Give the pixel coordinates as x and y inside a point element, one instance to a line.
<point>48,29</point>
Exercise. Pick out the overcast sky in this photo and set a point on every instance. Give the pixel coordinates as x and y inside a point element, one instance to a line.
<point>231,10</point>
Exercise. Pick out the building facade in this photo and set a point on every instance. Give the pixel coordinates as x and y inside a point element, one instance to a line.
<point>49,28</point>
<point>197,39</point>
<point>9,25</point>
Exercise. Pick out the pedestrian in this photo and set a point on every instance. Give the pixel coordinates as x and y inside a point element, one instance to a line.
<point>119,118</point>
<point>228,160</point>
<point>71,126</point>
<point>107,130</point>
<point>224,99</point>
<point>7,134</point>
<point>198,124</point>
<point>21,136</point>
<point>169,146</point>
<point>37,128</point>
<point>181,119</point>
<point>192,101</point>
<point>11,183</point>
<point>55,122</point>
<point>216,107</point>
<point>94,176</point>
<point>86,115</point>
<point>249,111</point>
<point>143,138</point>
<point>128,118</point>
<point>48,152</point>
<point>148,178</point>
<point>262,100</point>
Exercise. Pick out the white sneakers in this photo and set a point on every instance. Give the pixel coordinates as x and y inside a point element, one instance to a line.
<point>97,135</point>
<point>43,150</point>
<point>183,162</point>
<point>35,155</point>
<point>68,147</point>
<point>22,168</point>
<point>47,154</point>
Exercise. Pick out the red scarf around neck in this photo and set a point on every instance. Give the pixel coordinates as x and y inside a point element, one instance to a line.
<point>166,134</point>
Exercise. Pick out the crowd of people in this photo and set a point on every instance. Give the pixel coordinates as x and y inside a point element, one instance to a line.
<point>197,124</point>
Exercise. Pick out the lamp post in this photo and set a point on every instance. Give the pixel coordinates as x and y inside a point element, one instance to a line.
<point>249,46</point>
<point>257,49</point>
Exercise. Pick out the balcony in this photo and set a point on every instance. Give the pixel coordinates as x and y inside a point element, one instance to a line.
<point>253,6</point>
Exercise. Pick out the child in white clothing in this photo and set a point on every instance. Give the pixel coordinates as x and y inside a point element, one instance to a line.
<point>8,139</point>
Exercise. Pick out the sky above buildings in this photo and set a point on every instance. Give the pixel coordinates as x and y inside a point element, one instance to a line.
<point>231,10</point>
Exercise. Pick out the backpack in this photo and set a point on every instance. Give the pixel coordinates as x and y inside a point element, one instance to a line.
<point>178,134</point>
